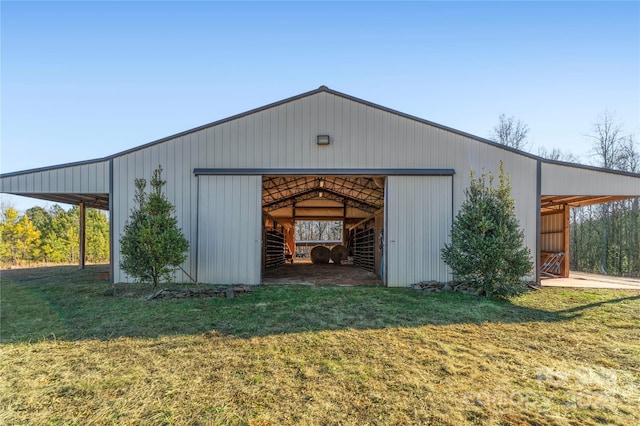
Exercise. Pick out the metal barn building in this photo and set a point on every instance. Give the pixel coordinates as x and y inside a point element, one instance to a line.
<point>395,180</point>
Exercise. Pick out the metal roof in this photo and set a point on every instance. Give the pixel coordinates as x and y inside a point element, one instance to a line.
<point>339,188</point>
<point>323,89</point>
<point>362,193</point>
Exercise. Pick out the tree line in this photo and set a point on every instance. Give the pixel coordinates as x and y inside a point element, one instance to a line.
<point>605,238</point>
<point>51,236</point>
<point>318,230</point>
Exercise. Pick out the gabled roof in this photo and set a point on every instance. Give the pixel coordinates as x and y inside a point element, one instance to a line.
<point>74,198</point>
<point>321,89</point>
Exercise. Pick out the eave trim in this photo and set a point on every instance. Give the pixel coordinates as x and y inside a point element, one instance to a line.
<point>323,172</point>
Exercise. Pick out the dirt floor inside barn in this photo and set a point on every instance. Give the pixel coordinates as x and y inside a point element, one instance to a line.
<point>307,273</point>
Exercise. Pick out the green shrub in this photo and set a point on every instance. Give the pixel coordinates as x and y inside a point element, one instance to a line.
<point>152,245</point>
<point>486,249</point>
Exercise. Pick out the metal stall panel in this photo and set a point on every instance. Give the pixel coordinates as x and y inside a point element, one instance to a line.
<point>419,217</point>
<point>229,229</point>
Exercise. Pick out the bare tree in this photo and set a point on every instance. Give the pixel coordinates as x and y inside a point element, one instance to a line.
<point>615,150</point>
<point>510,132</point>
<point>608,141</point>
<point>321,227</point>
<point>558,155</point>
<point>318,230</point>
<point>629,155</point>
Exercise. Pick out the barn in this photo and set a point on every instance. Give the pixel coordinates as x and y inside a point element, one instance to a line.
<point>395,181</point>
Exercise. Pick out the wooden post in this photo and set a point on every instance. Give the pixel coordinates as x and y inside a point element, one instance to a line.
<point>345,232</point>
<point>264,243</point>
<point>566,243</point>
<point>290,241</point>
<point>82,236</point>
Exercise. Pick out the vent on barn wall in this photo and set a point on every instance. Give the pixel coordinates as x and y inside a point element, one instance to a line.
<point>323,140</point>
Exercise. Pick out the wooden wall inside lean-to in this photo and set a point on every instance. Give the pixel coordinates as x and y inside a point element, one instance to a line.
<point>555,236</point>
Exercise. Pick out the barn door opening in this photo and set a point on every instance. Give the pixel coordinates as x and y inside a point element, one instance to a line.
<point>324,211</point>
<point>311,233</point>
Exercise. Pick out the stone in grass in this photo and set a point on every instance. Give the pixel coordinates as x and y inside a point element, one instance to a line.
<point>447,287</point>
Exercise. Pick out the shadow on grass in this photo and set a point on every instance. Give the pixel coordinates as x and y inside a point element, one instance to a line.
<point>71,304</point>
<point>581,308</point>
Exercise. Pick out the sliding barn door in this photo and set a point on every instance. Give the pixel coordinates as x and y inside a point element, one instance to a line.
<point>418,216</point>
<point>229,229</point>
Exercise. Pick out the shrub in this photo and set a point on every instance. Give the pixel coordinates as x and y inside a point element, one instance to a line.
<point>486,249</point>
<point>152,245</point>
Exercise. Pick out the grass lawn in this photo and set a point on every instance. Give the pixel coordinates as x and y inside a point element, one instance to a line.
<point>73,352</point>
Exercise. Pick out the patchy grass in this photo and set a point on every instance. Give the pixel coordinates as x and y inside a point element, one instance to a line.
<point>72,352</point>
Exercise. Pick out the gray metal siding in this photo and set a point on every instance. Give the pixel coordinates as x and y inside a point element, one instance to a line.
<point>229,223</point>
<point>362,137</point>
<point>558,179</point>
<point>283,135</point>
<point>180,189</point>
<point>418,215</point>
<point>90,178</point>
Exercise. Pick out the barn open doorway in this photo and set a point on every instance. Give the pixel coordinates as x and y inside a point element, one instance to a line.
<point>312,233</point>
<point>555,231</point>
<point>330,211</point>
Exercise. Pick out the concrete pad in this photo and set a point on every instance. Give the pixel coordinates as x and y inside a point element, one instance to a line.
<point>585,280</point>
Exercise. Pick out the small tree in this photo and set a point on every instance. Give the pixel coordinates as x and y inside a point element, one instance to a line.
<point>486,250</point>
<point>510,132</point>
<point>19,238</point>
<point>152,245</point>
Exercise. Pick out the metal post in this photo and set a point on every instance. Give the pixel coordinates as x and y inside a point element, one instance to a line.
<point>566,226</point>
<point>82,232</point>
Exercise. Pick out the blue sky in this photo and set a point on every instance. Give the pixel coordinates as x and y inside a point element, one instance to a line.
<point>82,80</point>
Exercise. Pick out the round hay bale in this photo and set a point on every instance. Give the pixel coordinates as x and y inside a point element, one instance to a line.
<point>320,254</point>
<point>338,254</point>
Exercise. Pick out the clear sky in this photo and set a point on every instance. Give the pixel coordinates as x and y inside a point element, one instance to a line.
<point>83,80</point>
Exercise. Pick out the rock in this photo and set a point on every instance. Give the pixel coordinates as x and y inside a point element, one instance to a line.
<point>447,287</point>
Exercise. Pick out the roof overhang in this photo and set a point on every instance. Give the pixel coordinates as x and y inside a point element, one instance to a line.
<point>555,203</point>
<point>95,201</point>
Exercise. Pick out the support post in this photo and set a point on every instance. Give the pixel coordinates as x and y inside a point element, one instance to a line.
<point>82,234</point>
<point>345,234</point>
<point>290,240</point>
<point>566,240</point>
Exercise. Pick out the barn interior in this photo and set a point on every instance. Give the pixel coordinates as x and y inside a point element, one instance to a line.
<point>355,201</point>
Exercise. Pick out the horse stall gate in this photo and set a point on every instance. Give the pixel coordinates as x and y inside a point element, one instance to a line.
<point>273,244</point>
<point>364,244</point>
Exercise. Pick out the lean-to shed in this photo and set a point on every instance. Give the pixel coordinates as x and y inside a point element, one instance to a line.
<point>395,181</point>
